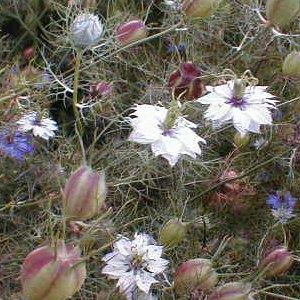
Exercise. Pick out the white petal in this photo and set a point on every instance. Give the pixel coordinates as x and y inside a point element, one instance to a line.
<point>166,145</point>
<point>144,280</point>
<point>157,266</point>
<point>153,252</point>
<point>127,285</point>
<point>211,98</point>
<point>123,246</point>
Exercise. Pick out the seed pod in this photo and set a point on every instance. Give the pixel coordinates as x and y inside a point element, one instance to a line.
<point>195,274</point>
<point>86,30</point>
<point>172,233</point>
<point>186,81</point>
<point>200,8</point>
<point>84,194</point>
<point>282,12</point>
<point>277,262</point>
<point>291,65</point>
<point>231,291</point>
<point>52,273</point>
<point>131,31</point>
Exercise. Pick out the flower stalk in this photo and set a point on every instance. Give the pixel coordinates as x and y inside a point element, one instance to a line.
<point>75,92</point>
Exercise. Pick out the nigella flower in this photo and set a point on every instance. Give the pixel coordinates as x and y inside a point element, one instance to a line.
<point>86,30</point>
<point>42,127</point>
<point>245,107</point>
<point>173,4</point>
<point>282,205</point>
<point>149,127</point>
<point>171,48</point>
<point>135,264</point>
<point>16,144</point>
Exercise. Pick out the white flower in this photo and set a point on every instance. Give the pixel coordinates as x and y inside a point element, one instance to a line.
<point>173,4</point>
<point>43,128</point>
<point>148,128</point>
<point>246,113</point>
<point>135,264</point>
<point>86,30</point>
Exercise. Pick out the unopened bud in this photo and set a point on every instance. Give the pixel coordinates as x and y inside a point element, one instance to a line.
<point>291,65</point>
<point>241,140</point>
<point>28,53</point>
<point>100,89</point>
<point>186,81</point>
<point>277,262</point>
<point>172,233</point>
<point>282,12</point>
<point>231,186</point>
<point>86,30</point>
<point>131,31</point>
<point>231,291</point>
<point>52,273</point>
<point>195,274</point>
<point>200,8</point>
<point>84,194</point>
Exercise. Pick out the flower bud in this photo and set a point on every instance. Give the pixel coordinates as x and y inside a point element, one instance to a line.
<point>28,53</point>
<point>100,89</point>
<point>277,262</point>
<point>231,186</point>
<point>172,233</point>
<point>86,30</point>
<point>282,12</point>
<point>131,31</point>
<point>195,274</point>
<point>52,273</point>
<point>291,65</point>
<point>200,8</point>
<point>186,81</point>
<point>231,291</point>
<point>241,140</point>
<point>84,194</point>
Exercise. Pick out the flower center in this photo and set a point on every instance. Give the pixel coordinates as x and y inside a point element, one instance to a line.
<point>137,261</point>
<point>237,102</point>
<point>168,132</point>
<point>10,139</point>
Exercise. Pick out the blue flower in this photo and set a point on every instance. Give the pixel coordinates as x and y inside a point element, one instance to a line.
<point>282,205</point>
<point>171,48</point>
<point>15,144</point>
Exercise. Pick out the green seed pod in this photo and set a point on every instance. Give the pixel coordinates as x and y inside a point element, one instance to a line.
<point>282,12</point>
<point>200,8</point>
<point>172,233</point>
<point>291,65</point>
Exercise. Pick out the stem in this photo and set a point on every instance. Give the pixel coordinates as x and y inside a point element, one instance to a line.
<point>78,125</point>
<point>278,296</point>
<point>244,174</point>
<point>75,92</point>
<point>243,46</point>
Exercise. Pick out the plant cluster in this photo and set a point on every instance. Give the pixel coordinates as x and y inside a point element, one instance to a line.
<point>149,149</point>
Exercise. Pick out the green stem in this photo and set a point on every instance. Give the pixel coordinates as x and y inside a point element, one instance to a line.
<point>78,125</point>
<point>233,57</point>
<point>75,92</point>
<point>244,174</point>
